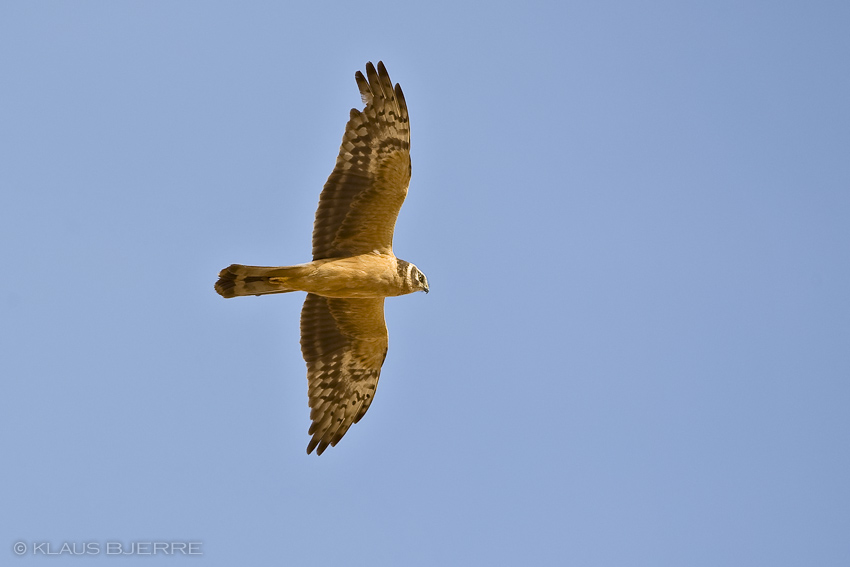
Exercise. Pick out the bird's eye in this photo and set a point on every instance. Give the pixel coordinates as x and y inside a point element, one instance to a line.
<point>421,278</point>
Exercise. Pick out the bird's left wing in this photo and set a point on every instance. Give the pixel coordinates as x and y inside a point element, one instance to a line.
<point>344,342</point>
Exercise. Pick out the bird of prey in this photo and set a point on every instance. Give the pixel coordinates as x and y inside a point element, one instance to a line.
<point>343,333</point>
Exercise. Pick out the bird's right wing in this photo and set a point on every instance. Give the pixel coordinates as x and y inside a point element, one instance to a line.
<point>361,199</point>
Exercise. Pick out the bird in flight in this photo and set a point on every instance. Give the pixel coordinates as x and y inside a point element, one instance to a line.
<point>343,333</point>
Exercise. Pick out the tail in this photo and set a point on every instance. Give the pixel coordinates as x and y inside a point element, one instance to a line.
<point>236,280</point>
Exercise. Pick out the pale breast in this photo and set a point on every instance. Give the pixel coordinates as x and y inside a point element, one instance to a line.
<point>365,275</point>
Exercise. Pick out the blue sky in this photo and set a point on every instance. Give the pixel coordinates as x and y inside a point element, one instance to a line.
<point>634,217</point>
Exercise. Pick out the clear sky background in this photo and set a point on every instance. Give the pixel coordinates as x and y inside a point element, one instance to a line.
<point>635,220</point>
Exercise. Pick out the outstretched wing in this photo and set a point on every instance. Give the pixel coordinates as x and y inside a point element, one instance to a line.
<point>361,199</point>
<point>344,342</point>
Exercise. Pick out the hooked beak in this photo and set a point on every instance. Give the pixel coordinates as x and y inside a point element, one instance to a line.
<point>426,289</point>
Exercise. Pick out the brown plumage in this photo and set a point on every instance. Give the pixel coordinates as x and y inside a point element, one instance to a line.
<point>343,333</point>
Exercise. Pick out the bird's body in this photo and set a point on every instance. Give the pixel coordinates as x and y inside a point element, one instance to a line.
<point>343,333</point>
<point>362,276</point>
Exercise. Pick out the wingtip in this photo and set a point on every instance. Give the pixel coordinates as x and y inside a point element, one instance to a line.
<point>312,445</point>
<point>318,444</point>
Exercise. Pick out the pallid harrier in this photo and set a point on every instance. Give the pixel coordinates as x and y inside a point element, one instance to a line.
<point>343,333</point>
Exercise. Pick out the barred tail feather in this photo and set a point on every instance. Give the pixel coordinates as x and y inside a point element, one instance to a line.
<point>238,280</point>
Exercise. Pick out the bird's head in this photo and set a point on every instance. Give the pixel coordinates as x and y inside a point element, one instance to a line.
<point>421,280</point>
<point>414,279</point>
